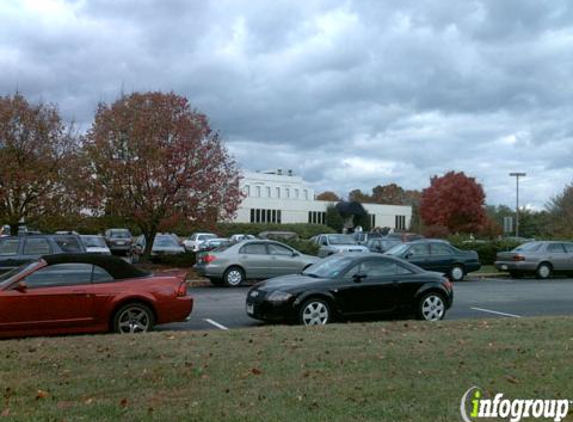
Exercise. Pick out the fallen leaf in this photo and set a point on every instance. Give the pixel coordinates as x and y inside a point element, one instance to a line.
<point>256,371</point>
<point>123,403</point>
<point>5,413</point>
<point>42,394</point>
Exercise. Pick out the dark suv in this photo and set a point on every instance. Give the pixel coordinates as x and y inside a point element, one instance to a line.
<point>119,241</point>
<point>16,250</point>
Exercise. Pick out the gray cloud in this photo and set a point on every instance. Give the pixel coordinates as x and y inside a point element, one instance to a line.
<point>349,94</point>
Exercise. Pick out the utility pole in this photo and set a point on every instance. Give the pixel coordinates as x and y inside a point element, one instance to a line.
<point>517,175</point>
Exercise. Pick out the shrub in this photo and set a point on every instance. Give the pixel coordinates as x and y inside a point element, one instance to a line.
<point>486,251</point>
<point>307,247</point>
<point>304,230</point>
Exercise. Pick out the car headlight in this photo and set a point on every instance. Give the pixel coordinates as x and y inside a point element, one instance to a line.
<point>279,296</point>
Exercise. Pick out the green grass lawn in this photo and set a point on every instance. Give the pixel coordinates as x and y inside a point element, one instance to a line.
<point>388,371</point>
<point>489,269</point>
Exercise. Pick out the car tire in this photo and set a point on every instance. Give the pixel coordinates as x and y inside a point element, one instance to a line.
<point>432,307</point>
<point>543,271</point>
<point>233,277</point>
<point>314,311</point>
<point>216,282</point>
<point>457,273</point>
<point>132,318</point>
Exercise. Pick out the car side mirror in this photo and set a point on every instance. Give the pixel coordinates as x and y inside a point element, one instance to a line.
<point>409,255</point>
<point>295,254</point>
<point>358,277</point>
<point>21,287</point>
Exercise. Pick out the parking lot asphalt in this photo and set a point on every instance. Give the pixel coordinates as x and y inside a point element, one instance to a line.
<point>224,308</point>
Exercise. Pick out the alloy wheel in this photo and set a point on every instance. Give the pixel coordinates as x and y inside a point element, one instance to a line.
<point>433,308</point>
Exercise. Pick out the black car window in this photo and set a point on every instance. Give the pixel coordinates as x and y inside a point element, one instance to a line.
<point>9,246</point>
<point>37,247</point>
<point>568,247</point>
<point>440,249</point>
<point>71,274</point>
<point>555,248</point>
<point>69,244</point>
<point>254,249</point>
<point>377,268</point>
<point>417,250</point>
<point>275,249</point>
<point>99,275</point>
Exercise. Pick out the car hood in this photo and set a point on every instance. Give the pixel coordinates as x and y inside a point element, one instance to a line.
<point>289,281</point>
<point>347,248</point>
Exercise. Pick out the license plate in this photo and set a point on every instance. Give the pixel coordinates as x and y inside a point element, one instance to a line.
<point>504,267</point>
<point>250,308</point>
<point>121,243</point>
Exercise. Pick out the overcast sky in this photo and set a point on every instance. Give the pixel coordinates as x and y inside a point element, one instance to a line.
<point>348,94</point>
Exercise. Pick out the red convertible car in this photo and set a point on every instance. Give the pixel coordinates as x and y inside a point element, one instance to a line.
<point>88,293</point>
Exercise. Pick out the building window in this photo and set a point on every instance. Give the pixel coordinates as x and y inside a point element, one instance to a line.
<point>278,192</point>
<point>268,189</point>
<point>316,217</point>
<point>296,193</point>
<point>372,220</point>
<point>306,194</point>
<point>247,190</point>
<point>258,191</point>
<point>287,193</point>
<point>265,216</point>
<point>400,222</point>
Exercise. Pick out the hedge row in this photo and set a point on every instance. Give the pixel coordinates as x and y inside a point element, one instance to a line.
<point>486,251</point>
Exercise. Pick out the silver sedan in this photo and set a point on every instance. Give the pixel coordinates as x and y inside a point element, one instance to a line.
<point>230,265</point>
<point>542,258</point>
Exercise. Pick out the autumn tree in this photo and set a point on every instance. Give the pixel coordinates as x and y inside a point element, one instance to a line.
<point>36,150</point>
<point>328,196</point>
<point>154,160</point>
<point>454,201</point>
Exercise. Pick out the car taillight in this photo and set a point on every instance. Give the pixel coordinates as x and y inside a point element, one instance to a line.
<point>518,258</point>
<point>207,259</point>
<point>447,284</point>
<point>182,290</point>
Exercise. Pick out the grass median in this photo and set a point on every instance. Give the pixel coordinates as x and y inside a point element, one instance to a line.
<point>387,371</point>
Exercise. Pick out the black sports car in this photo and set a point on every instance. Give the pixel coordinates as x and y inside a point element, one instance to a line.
<point>350,286</point>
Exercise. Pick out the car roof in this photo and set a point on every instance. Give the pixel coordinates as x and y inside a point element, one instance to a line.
<point>116,267</point>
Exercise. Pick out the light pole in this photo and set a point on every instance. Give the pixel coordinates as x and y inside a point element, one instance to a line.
<point>517,175</point>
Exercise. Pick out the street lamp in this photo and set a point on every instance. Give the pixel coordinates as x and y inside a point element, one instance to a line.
<point>517,175</point>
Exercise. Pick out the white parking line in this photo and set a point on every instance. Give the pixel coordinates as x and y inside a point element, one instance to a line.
<point>497,312</point>
<point>215,323</point>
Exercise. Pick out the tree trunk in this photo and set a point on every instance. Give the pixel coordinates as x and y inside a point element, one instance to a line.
<point>149,239</point>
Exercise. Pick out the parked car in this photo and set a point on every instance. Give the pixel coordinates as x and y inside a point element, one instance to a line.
<point>163,244</point>
<point>337,243</point>
<point>17,250</point>
<point>382,244</point>
<point>5,230</point>
<point>348,286</point>
<point>119,241</point>
<point>88,293</point>
<point>278,235</point>
<point>542,258</point>
<point>67,232</point>
<point>230,265</point>
<point>438,255</point>
<point>192,243</point>
<point>405,236</point>
<point>240,237</point>
<point>210,244</point>
<point>95,244</point>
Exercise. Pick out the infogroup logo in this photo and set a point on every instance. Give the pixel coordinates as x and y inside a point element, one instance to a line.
<point>474,406</point>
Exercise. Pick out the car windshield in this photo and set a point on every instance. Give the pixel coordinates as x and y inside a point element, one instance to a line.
<point>165,242</point>
<point>6,278</point>
<point>341,239</point>
<point>528,247</point>
<point>206,237</point>
<point>94,241</point>
<point>397,250</point>
<point>120,234</point>
<point>329,267</point>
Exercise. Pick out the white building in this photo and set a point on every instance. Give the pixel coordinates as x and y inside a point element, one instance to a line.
<point>280,197</point>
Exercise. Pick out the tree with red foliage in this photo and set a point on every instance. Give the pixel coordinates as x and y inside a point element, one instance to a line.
<point>454,201</point>
<point>328,196</point>
<point>36,148</point>
<point>154,160</point>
